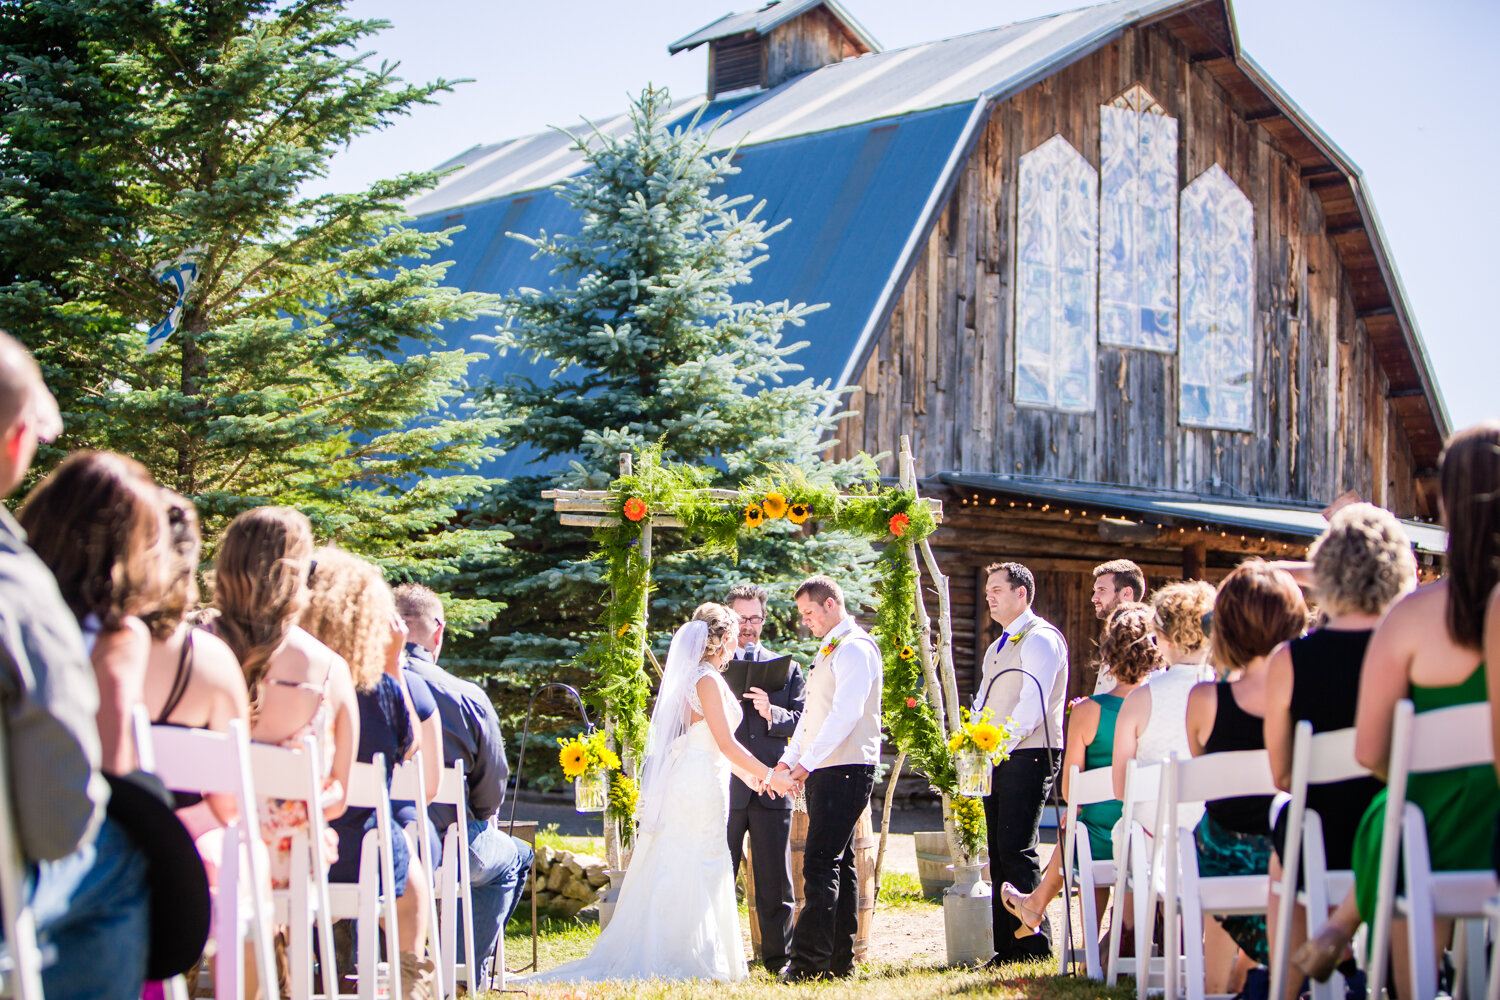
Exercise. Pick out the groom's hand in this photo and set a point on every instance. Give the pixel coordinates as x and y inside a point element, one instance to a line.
<point>781,781</point>
<point>799,776</point>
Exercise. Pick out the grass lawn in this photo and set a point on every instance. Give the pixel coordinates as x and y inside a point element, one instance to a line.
<point>901,902</point>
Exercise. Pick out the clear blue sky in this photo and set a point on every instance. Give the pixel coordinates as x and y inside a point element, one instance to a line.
<point>1401,87</point>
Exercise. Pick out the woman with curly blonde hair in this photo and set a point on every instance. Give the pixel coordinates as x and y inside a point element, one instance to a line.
<point>350,608</point>
<point>1360,565</point>
<point>1130,653</point>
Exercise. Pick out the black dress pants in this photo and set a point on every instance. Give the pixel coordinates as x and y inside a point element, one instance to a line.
<point>770,831</point>
<point>823,941</point>
<point>1012,811</point>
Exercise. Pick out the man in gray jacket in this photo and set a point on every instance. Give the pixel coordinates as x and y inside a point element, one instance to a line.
<point>89,895</point>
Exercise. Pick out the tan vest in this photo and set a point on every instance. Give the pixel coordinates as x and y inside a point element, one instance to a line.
<point>1002,694</point>
<point>862,745</point>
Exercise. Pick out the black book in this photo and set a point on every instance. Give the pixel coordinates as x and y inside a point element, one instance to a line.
<point>768,675</point>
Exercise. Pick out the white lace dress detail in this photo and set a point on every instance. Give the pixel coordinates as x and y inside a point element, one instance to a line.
<point>676,917</point>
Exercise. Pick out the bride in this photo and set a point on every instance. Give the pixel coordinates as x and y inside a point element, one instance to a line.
<point>676,917</point>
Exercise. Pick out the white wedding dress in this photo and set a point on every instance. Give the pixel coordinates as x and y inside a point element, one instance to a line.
<point>676,917</point>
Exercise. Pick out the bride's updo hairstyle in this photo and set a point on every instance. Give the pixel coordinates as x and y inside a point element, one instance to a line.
<point>723,625</point>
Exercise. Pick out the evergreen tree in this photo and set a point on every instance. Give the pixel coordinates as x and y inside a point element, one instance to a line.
<point>139,132</point>
<point>648,345</point>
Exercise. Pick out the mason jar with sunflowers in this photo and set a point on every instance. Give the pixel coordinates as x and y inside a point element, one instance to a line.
<point>976,747</point>
<point>588,760</point>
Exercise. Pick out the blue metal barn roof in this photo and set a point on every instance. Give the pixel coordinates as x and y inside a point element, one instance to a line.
<point>839,249</point>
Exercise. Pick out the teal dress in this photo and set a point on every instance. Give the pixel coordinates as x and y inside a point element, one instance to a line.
<point>1460,806</point>
<point>1099,818</point>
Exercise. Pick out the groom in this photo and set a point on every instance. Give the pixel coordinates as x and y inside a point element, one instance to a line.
<point>832,757</point>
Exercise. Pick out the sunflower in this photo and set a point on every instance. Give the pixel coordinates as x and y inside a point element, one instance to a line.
<point>907,653</point>
<point>754,516</point>
<point>774,505</point>
<point>956,742</point>
<point>574,759</point>
<point>986,736</point>
<point>608,759</point>
<point>798,512</point>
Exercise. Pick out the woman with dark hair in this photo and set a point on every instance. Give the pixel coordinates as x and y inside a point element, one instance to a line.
<point>1257,608</point>
<point>1129,652</point>
<point>1409,657</point>
<point>298,686</point>
<point>98,523</point>
<point>1358,567</point>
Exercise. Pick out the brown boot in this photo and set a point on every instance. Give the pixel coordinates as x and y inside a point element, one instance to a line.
<point>416,977</point>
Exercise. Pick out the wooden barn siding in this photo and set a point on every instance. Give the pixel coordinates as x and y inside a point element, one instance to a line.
<point>941,368</point>
<point>805,43</point>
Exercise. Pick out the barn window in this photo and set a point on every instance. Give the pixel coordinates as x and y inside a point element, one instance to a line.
<point>1217,334</point>
<point>1137,223</point>
<point>1057,250</point>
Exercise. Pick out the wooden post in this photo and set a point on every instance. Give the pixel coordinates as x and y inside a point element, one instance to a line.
<point>1194,560</point>
<point>612,851</point>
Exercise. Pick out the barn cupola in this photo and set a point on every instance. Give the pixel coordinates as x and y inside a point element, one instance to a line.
<point>764,48</point>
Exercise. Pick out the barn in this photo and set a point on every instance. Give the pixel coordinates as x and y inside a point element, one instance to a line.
<point>1124,296</point>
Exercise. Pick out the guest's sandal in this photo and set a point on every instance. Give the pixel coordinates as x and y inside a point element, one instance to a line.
<point>1015,901</point>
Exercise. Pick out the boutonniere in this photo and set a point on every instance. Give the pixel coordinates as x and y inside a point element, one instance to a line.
<point>1014,639</point>
<point>830,647</point>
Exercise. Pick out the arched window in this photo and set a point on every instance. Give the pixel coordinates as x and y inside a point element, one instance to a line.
<point>1216,364</point>
<point>1137,223</point>
<point>1057,249</point>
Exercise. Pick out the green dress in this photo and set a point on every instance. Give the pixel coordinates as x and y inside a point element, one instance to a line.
<point>1460,806</point>
<point>1100,817</point>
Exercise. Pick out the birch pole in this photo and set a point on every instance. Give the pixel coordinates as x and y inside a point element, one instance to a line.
<point>949,720</point>
<point>612,854</point>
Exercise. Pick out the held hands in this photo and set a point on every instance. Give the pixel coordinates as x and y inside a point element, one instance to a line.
<point>761,702</point>
<point>784,781</point>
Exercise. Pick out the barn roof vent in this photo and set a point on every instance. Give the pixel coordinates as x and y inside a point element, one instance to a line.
<point>785,38</point>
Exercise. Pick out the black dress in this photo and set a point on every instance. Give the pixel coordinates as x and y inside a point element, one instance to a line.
<point>1326,667</point>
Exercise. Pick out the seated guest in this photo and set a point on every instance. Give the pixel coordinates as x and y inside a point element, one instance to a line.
<point>1130,653</point>
<point>1152,723</point>
<point>350,608</point>
<point>1257,608</point>
<point>98,523</point>
<point>1428,648</point>
<point>499,863</point>
<point>298,686</point>
<point>88,880</point>
<point>192,677</point>
<point>1116,582</point>
<point>1359,565</point>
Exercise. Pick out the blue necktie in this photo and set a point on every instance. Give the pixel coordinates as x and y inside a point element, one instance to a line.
<point>1001,644</point>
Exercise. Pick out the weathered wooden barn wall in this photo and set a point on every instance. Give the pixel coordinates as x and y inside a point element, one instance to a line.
<point>805,43</point>
<point>941,369</point>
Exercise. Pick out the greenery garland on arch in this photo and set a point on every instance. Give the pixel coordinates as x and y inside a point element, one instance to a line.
<point>895,518</point>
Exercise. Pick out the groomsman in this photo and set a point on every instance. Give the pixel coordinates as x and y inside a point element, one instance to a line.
<point>832,756</point>
<point>1025,680</point>
<point>770,719</point>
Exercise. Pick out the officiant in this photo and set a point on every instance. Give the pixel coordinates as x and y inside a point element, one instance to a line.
<point>770,719</point>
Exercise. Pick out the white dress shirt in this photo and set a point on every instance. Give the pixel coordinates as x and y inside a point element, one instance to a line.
<point>857,671</point>
<point>1044,653</point>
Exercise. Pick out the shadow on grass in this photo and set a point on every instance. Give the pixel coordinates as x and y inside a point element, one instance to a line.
<point>1038,980</point>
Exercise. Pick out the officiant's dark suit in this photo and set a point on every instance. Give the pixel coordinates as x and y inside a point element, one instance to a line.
<point>767,818</point>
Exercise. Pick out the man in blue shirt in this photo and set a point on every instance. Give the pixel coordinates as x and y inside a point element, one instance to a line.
<point>499,863</point>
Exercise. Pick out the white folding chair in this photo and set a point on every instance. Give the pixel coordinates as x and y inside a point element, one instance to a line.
<point>22,957</point>
<point>1187,893</point>
<point>372,898</point>
<point>210,763</point>
<point>304,905</point>
<point>455,889</point>
<point>1441,740</point>
<point>1320,759</point>
<point>1084,788</point>
<point>1492,911</point>
<point>1133,872</point>
<point>409,784</point>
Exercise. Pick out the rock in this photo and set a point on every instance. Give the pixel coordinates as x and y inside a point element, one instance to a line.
<point>597,875</point>
<point>545,899</point>
<point>588,915</point>
<point>572,864</point>
<point>580,889</point>
<point>565,907</point>
<point>544,856</point>
<point>557,878</point>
